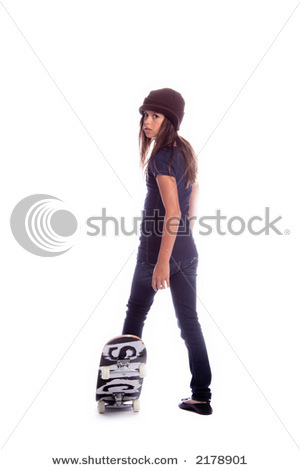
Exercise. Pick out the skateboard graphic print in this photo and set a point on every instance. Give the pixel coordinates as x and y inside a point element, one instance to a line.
<point>121,371</point>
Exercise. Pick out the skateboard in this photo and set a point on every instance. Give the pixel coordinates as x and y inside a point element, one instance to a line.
<point>121,371</point>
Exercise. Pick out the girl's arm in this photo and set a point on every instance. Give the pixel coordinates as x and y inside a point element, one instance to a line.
<point>193,211</point>
<point>168,190</point>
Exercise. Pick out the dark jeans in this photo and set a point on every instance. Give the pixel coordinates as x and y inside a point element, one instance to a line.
<point>183,290</point>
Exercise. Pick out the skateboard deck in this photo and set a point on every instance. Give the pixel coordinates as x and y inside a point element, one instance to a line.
<point>121,371</point>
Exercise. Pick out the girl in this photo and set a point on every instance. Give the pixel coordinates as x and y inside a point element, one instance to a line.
<point>167,254</point>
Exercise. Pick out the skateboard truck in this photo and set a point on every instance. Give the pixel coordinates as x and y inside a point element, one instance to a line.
<point>123,365</point>
<point>119,399</point>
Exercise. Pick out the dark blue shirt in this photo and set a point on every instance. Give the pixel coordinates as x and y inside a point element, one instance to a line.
<point>154,211</point>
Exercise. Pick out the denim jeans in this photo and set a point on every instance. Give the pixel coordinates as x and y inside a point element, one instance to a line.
<point>183,291</point>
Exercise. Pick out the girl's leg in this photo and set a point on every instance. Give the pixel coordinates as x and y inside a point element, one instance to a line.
<point>183,290</point>
<point>140,300</point>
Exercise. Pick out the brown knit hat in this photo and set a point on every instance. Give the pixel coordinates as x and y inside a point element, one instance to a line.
<point>167,102</point>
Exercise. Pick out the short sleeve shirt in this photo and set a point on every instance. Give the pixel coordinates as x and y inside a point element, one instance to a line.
<point>154,210</point>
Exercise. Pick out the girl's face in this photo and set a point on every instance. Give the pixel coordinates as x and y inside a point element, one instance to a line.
<point>152,122</point>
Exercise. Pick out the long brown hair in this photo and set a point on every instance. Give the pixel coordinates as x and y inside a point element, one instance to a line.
<point>166,137</point>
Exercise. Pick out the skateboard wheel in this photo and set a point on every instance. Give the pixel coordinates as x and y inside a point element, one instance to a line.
<point>136,405</point>
<point>101,406</point>
<point>142,370</point>
<point>105,373</point>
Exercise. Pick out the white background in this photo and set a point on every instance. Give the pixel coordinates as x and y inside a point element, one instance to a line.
<point>73,74</point>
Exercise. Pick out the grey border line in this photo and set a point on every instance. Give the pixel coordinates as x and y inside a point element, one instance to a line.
<point>66,352</point>
<point>236,354</point>
<point>252,73</point>
<point>64,97</point>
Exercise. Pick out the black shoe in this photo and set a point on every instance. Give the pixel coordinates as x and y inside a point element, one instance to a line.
<point>201,408</point>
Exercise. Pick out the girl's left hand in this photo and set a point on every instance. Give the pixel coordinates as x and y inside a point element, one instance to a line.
<point>161,275</point>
